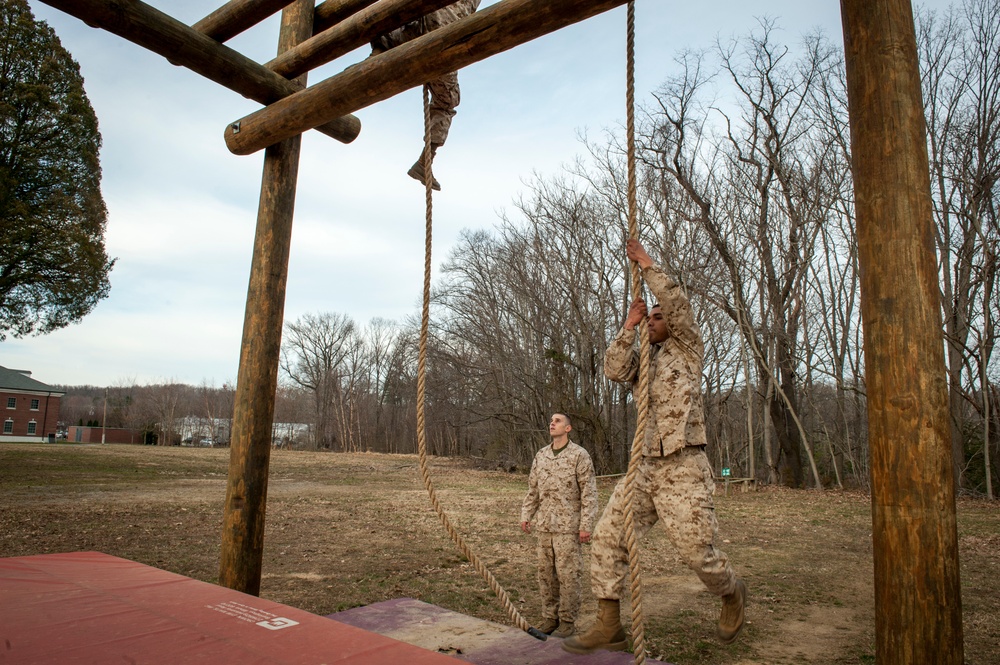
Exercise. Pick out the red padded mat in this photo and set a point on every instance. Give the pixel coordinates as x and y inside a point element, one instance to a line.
<point>88,607</point>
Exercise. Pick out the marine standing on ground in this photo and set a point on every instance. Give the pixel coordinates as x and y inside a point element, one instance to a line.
<point>445,93</point>
<point>674,482</point>
<point>562,501</point>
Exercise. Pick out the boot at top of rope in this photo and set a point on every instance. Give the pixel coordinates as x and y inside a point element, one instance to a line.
<point>417,173</point>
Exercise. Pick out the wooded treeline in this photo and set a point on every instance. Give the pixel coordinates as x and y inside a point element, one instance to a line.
<point>745,196</point>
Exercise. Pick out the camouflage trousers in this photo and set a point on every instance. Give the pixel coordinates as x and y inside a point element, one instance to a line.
<point>559,564</point>
<point>675,490</point>
<point>444,91</point>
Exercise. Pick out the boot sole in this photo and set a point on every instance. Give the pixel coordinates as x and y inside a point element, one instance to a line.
<point>610,646</point>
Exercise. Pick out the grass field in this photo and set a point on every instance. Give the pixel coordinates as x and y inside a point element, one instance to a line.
<point>352,529</point>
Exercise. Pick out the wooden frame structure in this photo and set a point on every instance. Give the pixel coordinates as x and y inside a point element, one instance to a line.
<point>917,585</point>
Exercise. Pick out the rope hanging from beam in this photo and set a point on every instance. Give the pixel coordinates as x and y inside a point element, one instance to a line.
<point>456,537</point>
<point>641,391</point>
<point>641,394</point>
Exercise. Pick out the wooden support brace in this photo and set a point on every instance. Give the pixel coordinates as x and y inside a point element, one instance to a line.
<point>351,33</point>
<point>152,29</point>
<point>493,30</point>
<point>236,16</point>
<point>331,12</point>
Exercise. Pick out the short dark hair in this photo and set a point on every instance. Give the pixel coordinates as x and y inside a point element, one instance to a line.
<point>569,421</point>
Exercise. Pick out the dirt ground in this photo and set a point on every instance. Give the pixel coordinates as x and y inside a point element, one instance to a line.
<point>345,530</point>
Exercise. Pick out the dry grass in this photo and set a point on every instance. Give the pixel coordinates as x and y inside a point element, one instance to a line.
<point>349,530</point>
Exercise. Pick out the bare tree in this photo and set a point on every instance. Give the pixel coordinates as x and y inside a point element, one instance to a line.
<point>960,58</point>
<point>315,356</point>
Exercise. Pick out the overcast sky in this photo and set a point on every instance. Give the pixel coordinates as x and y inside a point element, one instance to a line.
<point>182,208</point>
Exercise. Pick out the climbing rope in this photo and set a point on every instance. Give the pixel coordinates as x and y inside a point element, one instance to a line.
<point>641,393</point>
<point>641,389</point>
<point>456,537</point>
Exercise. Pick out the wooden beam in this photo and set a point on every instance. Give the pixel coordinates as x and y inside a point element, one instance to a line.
<point>152,29</point>
<point>487,32</point>
<point>918,610</point>
<point>253,414</point>
<point>236,16</point>
<point>331,12</point>
<point>350,34</point>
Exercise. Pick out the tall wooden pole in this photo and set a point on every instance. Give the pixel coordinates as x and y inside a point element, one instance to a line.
<point>918,615</point>
<point>253,413</point>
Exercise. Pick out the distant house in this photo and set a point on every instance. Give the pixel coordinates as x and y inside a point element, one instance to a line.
<point>30,408</point>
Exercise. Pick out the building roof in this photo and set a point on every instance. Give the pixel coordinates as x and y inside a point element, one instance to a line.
<point>17,379</point>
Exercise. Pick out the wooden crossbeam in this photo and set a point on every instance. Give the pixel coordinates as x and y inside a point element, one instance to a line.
<point>236,16</point>
<point>331,12</point>
<point>351,33</point>
<point>490,31</point>
<point>152,29</point>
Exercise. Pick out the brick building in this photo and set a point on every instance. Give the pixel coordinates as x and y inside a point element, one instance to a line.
<point>29,409</point>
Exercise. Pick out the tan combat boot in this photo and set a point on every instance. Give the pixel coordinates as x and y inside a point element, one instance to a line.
<point>731,618</point>
<point>606,633</point>
<point>548,625</point>
<point>417,171</point>
<point>566,629</point>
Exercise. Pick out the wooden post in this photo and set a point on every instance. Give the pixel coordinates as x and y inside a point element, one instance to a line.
<point>490,31</point>
<point>181,45</point>
<point>351,33</point>
<point>236,16</point>
<point>918,615</point>
<point>257,381</point>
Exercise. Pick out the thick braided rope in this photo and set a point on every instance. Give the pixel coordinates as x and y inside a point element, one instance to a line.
<point>515,616</point>
<point>641,394</point>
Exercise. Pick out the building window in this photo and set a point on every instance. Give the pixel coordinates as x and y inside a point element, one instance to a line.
<point>8,426</point>
<point>34,405</point>
<point>31,427</point>
<point>11,402</point>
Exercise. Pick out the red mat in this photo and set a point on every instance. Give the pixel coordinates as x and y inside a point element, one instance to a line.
<point>88,607</point>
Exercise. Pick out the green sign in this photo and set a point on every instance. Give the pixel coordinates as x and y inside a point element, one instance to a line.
<point>725,471</point>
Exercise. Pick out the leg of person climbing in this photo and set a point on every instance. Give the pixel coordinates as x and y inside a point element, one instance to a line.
<point>609,566</point>
<point>445,97</point>
<point>683,494</point>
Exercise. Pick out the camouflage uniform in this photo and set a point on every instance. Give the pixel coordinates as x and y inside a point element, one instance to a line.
<point>674,483</point>
<point>445,93</point>
<point>562,502</point>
